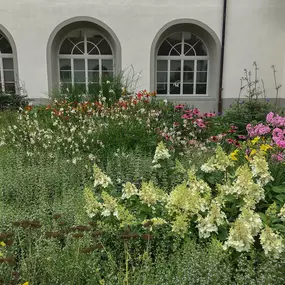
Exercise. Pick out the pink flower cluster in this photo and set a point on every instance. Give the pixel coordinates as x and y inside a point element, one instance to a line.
<point>278,136</point>
<point>275,120</point>
<point>195,115</point>
<point>258,130</point>
<point>275,127</point>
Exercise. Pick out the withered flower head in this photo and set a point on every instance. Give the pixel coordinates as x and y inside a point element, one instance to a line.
<point>56,216</point>
<point>80,228</point>
<point>4,236</point>
<point>146,236</point>
<point>54,234</point>
<point>78,235</point>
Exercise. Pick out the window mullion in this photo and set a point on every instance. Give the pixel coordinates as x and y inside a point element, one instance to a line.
<point>72,72</point>
<point>168,76</point>
<point>181,76</point>
<point>100,71</point>
<point>195,77</point>
<point>86,75</point>
<point>2,74</point>
<point>182,48</point>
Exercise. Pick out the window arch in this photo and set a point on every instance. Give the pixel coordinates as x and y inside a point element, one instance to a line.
<point>182,65</point>
<point>185,61</point>
<point>7,69</point>
<point>82,51</point>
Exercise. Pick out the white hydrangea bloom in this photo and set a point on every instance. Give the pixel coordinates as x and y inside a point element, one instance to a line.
<point>219,162</point>
<point>240,236</point>
<point>100,178</point>
<point>244,187</point>
<point>260,170</point>
<point>92,206</point>
<point>129,190</point>
<point>243,231</point>
<point>161,153</point>
<point>271,242</point>
<point>210,223</point>
<point>282,213</point>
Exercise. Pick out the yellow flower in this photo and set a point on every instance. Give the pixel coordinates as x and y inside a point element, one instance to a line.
<point>253,152</point>
<point>26,283</point>
<point>234,154</point>
<point>2,243</point>
<point>255,140</point>
<point>265,147</point>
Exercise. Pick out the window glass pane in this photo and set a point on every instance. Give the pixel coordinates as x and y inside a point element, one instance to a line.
<point>161,76</point>
<point>202,65</point>
<point>107,64</point>
<point>190,39</point>
<point>176,50</point>
<point>175,65</point>
<point>161,88</point>
<point>65,86</point>
<point>175,88</point>
<point>66,47</point>
<point>105,48</point>
<point>164,49</point>
<point>188,65</point>
<point>79,76</point>
<point>200,49</point>
<point>93,64</point>
<point>201,77</point>
<point>93,76</point>
<point>201,89</point>
<point>175,39</point>
<point>79,64</point>
<point>175,77</point>
<point>92,49</point>
<point>8,63</point>
<point>65,76</point>
<point>5,46</point>
<point>80,87</point>
<point>106,75</point>
<point>162,65</point>
<point>76,36</point>
<point>65,64</point>
<point>188,77</point>
<point>101,43</point>
<point>10,88</point>
<point>78,49</point>
<point>9,76</point>
<point>188,50</point>
<point>171,41</point>
<point>188,89</point>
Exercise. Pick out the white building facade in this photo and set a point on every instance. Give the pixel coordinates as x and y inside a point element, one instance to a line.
<point>175,46</point>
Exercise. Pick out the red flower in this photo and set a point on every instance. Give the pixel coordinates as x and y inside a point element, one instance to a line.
<point>214,139</point>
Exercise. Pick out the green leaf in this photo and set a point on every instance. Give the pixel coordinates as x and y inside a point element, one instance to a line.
<point>263,217</point>
<point>279,227</point>
<point>280,198</point>
<point>279,189</point>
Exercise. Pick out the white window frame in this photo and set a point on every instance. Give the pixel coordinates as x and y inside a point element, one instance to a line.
<point>86,57</point>
<point>182,58</point>
<point>2,77</point>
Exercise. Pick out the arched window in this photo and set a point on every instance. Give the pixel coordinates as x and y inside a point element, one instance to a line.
<point>185,63</point>
<point>82,51</point>
<point>7,70</point>
<point>182,62</point>
<point>85,57</point>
